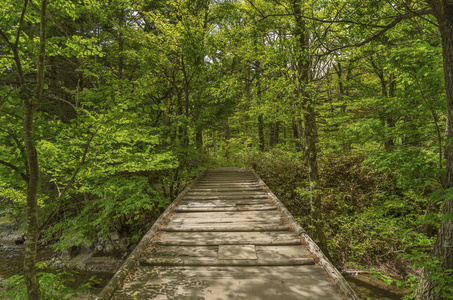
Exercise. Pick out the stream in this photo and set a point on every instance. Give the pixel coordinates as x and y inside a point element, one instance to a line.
<point>12,259</point>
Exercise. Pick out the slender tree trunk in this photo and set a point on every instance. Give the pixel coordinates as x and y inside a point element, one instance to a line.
<point>297,133</point>
<point>443,247</point>
<point>276,133</point>
<point>310,129</point>
<point>199,140</point>
<point>261,132</point>
<point>120,44</point>
<point>227,139</point>
<point>271,136</point>
<point>389,145</point>
<point>30,107</point>
<point>32,206</point>
<point>214,142</point>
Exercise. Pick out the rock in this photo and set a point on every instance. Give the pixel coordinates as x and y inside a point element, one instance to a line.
<point>114,236</point>
<point>81,248</point>
<point>13,237</point>
<point>20,240</point>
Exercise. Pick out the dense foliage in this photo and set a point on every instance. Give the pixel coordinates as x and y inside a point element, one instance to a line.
<point>339,105</point>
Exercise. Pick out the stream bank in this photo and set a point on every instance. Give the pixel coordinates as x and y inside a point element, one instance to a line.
<point>80,267</point>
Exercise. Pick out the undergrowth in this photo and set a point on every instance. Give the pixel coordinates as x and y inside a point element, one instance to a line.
<point>370,219</point>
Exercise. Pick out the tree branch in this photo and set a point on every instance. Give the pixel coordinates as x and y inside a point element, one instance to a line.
<point>15,45</point>
<point>265,16</point>
<point>22,15</point>
<point>378,34</point>
<point>5,163</point>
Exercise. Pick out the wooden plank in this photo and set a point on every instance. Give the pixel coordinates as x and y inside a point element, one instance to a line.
<point>226,190</point>
<point>230,237</point>
<point>186,251</point>
<point>226,222</point>
<point>231,228</point>
<point>227,184</point>
<point>220,203</point>
<point>225,197</point>
<point>249,215</point>
<point>182,209</point>
<point>232,242</point>
<point>269,272</point>
<point>282,252</point>
<point>225,262</point>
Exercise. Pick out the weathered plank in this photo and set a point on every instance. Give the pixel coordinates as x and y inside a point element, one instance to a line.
<point>248,215</point>
<point>222,203</point>
<point>209,262</point>
<point>225,197</point>
<point>229,228</point>
<point>225,209</point>
<point>288,242</point>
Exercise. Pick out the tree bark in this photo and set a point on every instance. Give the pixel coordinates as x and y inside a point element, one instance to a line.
<point>443,247</point>
<point>297,133</point>
<point>276,133</point>
<point>310,128</point>
<point>32,206</point>
<point>199,140</point>
<point>226,126</point>
<point>120,43</point>
<point>31,105</point>
<point>214,142</point>
<point>389,144</point>
<point>261,132</point>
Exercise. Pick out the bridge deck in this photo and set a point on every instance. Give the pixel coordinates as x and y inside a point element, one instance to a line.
<point>227,238</point>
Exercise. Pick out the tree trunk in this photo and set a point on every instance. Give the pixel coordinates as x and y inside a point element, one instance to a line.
<point>276,133</point>
<point>310,129</point>
<point>227,139</point>
<point>443,247</point>
<point>214,142</point>
<point>120,44</point>
<point>32,205</point>
<point>297,133</point>
<point>311,153</point>
<point>199,140</point>
<point>30,107</point>
<point>389,145</point>
<point>261,132</point>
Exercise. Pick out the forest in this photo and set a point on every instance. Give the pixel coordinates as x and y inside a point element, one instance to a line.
<point>343,107</point>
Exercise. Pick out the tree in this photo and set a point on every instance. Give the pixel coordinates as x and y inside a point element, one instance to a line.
<point>31,97</point>
<point>443,247</point>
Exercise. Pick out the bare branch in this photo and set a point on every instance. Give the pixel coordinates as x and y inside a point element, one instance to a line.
<point>62,100</point>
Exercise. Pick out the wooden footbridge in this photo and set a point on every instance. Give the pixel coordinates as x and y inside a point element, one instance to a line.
<point>227,236</point>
